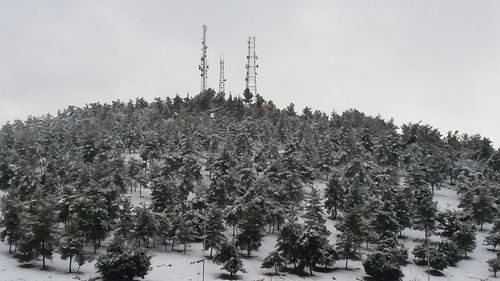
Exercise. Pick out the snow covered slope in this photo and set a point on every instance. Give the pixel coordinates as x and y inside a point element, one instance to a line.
<point>177,266</point>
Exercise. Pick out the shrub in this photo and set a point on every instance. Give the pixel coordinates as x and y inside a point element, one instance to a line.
<point>123,261</point>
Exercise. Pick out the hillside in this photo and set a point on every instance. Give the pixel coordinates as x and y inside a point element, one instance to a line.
<point>330,193</point>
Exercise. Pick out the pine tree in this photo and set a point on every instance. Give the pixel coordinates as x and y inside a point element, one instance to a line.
<point>214,229</point>
<point>223,180</point>
<point>144,223</point>
<point>40,237</point>
<point>494,265</point>
<point>335,196</point>
<point>11,220</point>
<point>385,221</point>
<point>125,225</point>
<point>90,213</point>
<point>483,207</point>
<point>386,261</point>
<point>274,259</point>
<point>426,210</point>
<point>189,170</point>
<point>163,191</point>
<point>312,242</point>
<point>403,207</point>
<point>351,227</point>
<point>348,247</point>
<point>465,238</point>
<point>71,245</point>
<point>229,257</point>
<point>133,170</point>
<point>431,253</point>
<point>287,241</point>
<point>124,261</point>
<point>493,237</point>
<point>251,225</point>
<point>451,251</point>
<point>449,222</point>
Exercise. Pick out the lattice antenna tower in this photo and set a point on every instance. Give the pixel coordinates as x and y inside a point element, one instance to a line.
<point>203,64</point>
<point>251,66</point>
<point>222,79</point>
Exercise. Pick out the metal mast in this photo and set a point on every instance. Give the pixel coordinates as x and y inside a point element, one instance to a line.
<point>222,79</point>
<point>251,66</point>
<point>203,65</point>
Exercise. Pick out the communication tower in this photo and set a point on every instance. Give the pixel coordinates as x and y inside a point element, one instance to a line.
<point>251,66</point>
<point>204,65</point>
<point>222,79</point>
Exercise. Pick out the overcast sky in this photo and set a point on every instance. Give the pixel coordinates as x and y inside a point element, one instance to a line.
<point>435,61</point>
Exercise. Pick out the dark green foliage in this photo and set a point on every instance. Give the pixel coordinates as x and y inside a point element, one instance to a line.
<point>465,238</point>
<point>144,224</point>
<point>124,261</point>
<point>229,257</point>
<point>451,251</point>
<point>287,241</point>
<point>494,265</point>
<point>438,260</point>
<point>351,227</point>
<point>71,246</point>
<point>257,158</point>
<point>384,219</point>
<point>449,222</point>
<point>426,211</point>
<point>125,225</point>
<point>431,253</point>
<point>214,228</point>
<point>335,196</point>
<point>380,266</point>
<point>38,235</point>
<point>274,260</point>
<point>493,237</point>
<point>403,206</point>
<point>482,207</point>
<point>11,220</point>
<point>386,261</point>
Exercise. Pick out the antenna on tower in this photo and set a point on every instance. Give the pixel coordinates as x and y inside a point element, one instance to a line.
<point>251,66</point>
<point>222,79</point>
<point>204,65</point>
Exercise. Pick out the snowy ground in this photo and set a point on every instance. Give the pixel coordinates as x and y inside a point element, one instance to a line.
<point>177,266</point>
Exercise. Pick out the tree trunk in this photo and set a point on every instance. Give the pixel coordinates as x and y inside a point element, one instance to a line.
<point>211,249</point>
<point>185,246</point>
<point>70,260</point>
<point>346,263</point>
<point>10,247</point>
<point>43,256</point>
<point>276,269</point>
<point>311,270</point>
<point>95,246</point>
<point>173,240</point>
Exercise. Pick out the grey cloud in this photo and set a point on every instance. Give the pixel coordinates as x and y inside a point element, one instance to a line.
<point>435,61</point>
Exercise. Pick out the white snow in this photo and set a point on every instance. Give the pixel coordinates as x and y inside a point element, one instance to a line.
<point>168,265</point>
